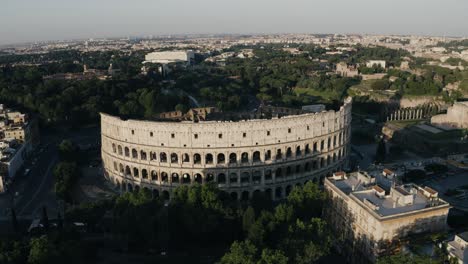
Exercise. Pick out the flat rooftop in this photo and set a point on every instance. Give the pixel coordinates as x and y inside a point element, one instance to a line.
<point>387,206</point>
<point>384,198</point>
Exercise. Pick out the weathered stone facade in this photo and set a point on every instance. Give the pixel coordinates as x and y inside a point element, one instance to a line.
<point>261,155</point>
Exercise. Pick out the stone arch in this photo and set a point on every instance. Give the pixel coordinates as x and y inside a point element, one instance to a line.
<point>143,155</point>
<point>186,178</point>
<point>135,172</point>
<point>119,149</point>
<point>209,158</point>
<point>256,156</point>
<point>196,158</point>
<point>163,157</point>
<point>257,177</point>
<point>174,158</point>
<point>244,157</point>
<point>185,158</point>
<point>232,158</point>
<point>307,166</point>
<point>154,175</point>
<point>245,177</point>
<point>197,178</point>
<point>268,175</point>
<point>128,171</point>
<point>175,177</point>
<point>268,155</point>
<point>279,154</point>
<point>221,178</point>
<point>153,155</point>
<point>233,177</point>
<point>209,177</point>
<point>288,153</point>
<point>221,158</point>
<point>164,177</point>
<point>288,171</point>
<point>121,168</point>
<point>127,152</point>
<point>307,149</point>
<point>144,174</point>
<point>298,151</point>
<point>114,148</point>
<point>134,154</point>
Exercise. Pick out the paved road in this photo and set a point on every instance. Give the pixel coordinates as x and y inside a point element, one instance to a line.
<point>36,189</point>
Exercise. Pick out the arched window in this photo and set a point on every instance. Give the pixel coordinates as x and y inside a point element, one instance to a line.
<point>221,158</point>
<point>134,153</point>
<point>298,151</point>
<point>256,176</point>
<point>185,158</point>
<point>143,155</point>
<point>164,177</point>
<point>334,157</point>
<point>209,177</point>
<point>288,152</point>
<point>154,176</point>
<point>119,148</point>
<point>221,178</point>
<point>186,178</point>
<point>233,177</point>
<point>315,146</point>
<point>245,177</point>
<point>256,156</point>
<point>279,154</point>
<point>288,171</point>
<point>162,157</point>
<point>115,166</point>
<point>121,168</point>
<point>198,178</point>
<point>196,158</point>
<point>245,157</point>
<point>307,149</point>
<point>128,172</point>
<point>268,175</point>
<point>127,152</point>
<point>174,158</point>
<point>153,156</point>
<point>175,178</point>
<point>209,158</point>
<point>232,158</point>
<point>307,166</point>
<point>268,155</point>
<point>135,172</point>
<point>114,148</point>
<point>144,174</point>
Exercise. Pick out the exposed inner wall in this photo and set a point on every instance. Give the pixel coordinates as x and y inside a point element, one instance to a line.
<point>265,155</point>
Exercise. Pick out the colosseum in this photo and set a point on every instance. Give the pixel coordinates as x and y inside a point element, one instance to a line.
<point>241,157</point>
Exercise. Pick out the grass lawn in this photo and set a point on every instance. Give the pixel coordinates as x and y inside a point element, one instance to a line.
<point>325,95</point>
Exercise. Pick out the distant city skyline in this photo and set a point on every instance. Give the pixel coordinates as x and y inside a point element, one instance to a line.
<point>29,21</point>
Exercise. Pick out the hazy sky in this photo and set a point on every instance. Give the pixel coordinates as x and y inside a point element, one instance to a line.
<point>30,20</point>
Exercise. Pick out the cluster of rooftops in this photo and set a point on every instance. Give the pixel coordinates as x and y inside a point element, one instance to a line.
<point>380,193</point>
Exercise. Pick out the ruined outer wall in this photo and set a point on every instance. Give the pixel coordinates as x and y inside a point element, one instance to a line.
<point>270,155</point>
